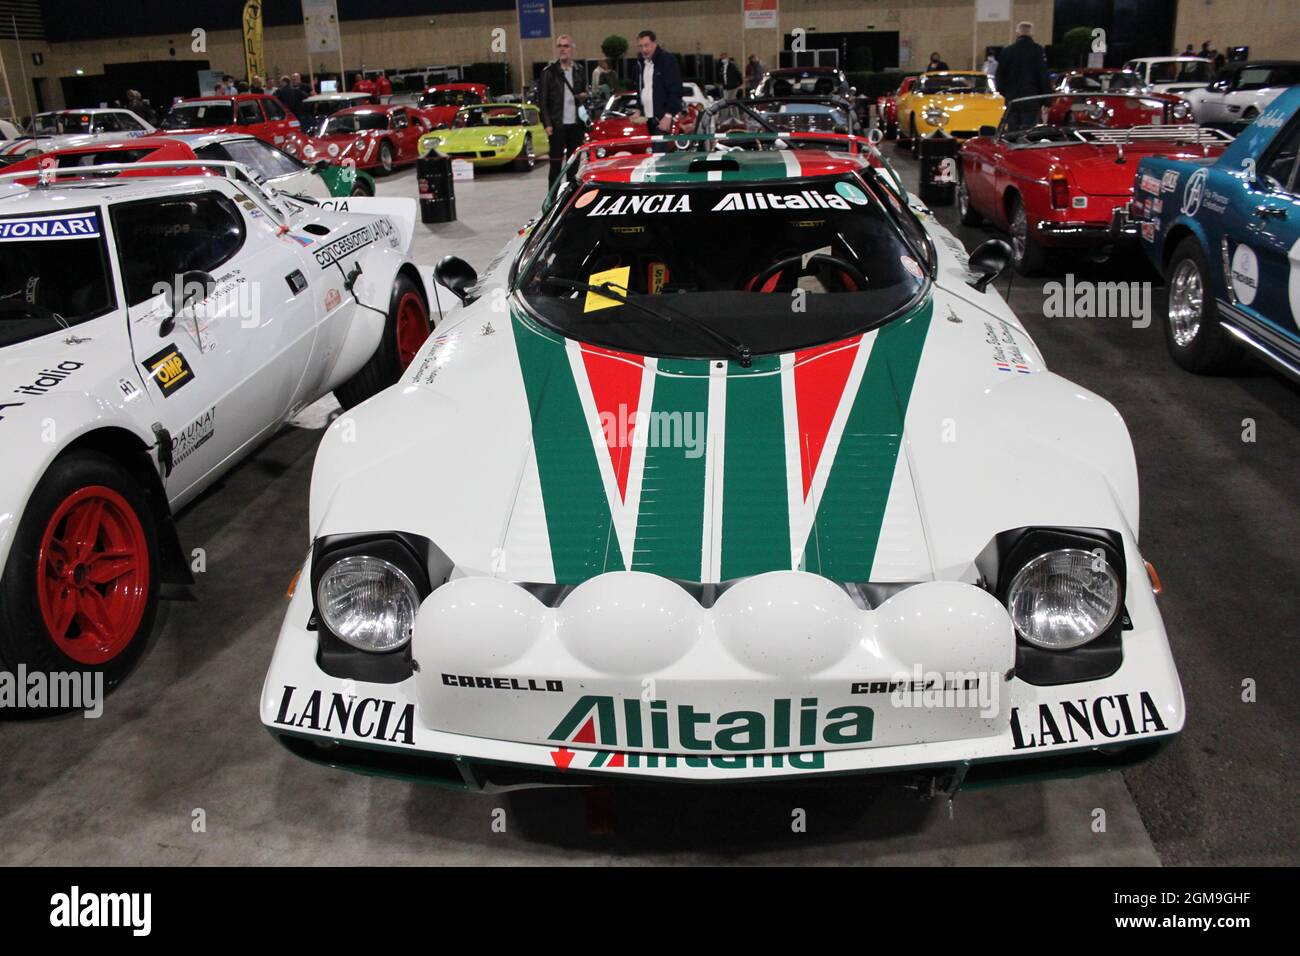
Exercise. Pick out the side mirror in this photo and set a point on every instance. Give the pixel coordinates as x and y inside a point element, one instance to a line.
<point>187,289</point>
<point>320,164</point>
<point>988,131</point>
<point>456,274</point>
<point>990,259</point>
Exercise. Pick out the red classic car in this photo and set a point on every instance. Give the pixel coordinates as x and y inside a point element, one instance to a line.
<point>374,137</point>
<point>887,108</point>
<point>1065,184</point>
<point>440,103</point>
<point>1141,107</point>
<point>257,114</point>
<point>621,118</point>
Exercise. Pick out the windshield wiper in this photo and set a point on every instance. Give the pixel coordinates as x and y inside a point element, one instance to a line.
<point>739,350</point>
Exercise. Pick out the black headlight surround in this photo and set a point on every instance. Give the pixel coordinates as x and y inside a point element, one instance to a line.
<point>418,558</point>
<point>1012,550</point>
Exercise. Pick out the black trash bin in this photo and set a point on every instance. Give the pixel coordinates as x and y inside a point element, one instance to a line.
<point>437,188</point>
<point>939,169</point>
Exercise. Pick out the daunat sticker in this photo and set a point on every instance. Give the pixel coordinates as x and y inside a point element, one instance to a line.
<point>81,225</point>
<point>169,369</point>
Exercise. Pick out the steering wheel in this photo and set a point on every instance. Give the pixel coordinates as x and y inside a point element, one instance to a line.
<point>854,274</point>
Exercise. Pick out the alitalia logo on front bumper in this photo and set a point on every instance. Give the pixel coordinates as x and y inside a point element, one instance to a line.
<point>633,724</point>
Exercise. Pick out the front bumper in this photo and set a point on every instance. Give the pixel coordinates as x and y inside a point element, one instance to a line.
<point>632,685</point>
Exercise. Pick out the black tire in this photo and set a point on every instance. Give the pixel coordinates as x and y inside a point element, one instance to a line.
<point>385,366</point>
<point>1195,337</point>
<point>24,636</point>
<point>969,217</point>
<point>386,157</point>
<point>914,140</point>
<point>900,140</point>
<point>1027,254</point>
<point>360,188</point>
<point>527,159</point>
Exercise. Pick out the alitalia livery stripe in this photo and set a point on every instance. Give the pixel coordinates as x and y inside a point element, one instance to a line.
<point>670,524</point>
<point>578,519</point>
<point>851,511</point>
<point>755,516</point>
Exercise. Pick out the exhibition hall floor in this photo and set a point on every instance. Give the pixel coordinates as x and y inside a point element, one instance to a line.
<point>181,743</point>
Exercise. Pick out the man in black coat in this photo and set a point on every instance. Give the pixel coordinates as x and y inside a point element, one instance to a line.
<point>729,77</point>
<point>561,90</point>
<point>290,97</point>
<point>659,83</point>
<point>1022,71</point>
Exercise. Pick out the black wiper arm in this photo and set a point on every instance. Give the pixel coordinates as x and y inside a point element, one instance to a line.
<point>737,348</point>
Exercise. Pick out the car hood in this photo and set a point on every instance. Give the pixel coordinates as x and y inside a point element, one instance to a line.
<point>884,457</point>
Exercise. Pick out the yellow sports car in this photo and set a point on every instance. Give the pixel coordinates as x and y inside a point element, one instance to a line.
<point>957,101</point>
<point>492,134</point>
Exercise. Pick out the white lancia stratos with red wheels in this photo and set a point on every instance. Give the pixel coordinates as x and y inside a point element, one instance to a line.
<point>732,467</point>
<point>152,332</point>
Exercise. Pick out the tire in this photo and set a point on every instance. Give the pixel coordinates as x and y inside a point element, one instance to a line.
<point>49,587</point>
<point>527,158</point>
<point>914,141</point>
<point>360,188</point>
<point>1029,257</point>
<point>1193,333</point>
<point>407,327</point>
<point>969,217</point>
<point>901,142</point>
<point>386,157</point>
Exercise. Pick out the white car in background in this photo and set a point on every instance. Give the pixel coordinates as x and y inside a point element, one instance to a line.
<point>63,128</point>
<point>1173,74</point>
<point>1242,92</point>
<point>692,94</point>
<point>154,330</point>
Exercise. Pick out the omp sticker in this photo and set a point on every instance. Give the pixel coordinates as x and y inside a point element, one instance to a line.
<point>617,278</point>
<point>169,369</point>
<point>81,225</point>
<point>1245,274</point>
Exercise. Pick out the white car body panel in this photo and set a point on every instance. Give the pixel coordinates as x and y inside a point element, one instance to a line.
<point>1143,67</point>
<point>32,145</point>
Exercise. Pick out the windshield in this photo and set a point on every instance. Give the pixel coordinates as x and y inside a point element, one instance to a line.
<point>342,123</point>
<point>786,85</point>
<point>53,274</point>
<point>203,115</point>
<point>1104,82</point>
<point>488,116</point>
<point>1184,71</point>
<point>1263,77</point>
<point>326,107</point>
<point>76,123</point>
<point>1065,117</point>
<point>448,98</point>
<point>956,83</point>
<point>804,116</point>
<point>803,263</point>
<point>45,124</point>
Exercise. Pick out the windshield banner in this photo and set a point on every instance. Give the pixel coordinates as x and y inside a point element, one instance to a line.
<point>81,225</point>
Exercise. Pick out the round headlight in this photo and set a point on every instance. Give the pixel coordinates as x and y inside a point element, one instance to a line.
<point>497,139</point>
<point>309,150</point>
<point>935,116</point>
<point>1064,599</point>
<point>432,142</point>
<point>368,603</point>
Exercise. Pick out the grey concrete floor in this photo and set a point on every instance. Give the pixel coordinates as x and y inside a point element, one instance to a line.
<point>1220,521</point>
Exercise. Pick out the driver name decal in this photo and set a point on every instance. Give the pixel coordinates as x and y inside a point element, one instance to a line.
<point>83,225</point>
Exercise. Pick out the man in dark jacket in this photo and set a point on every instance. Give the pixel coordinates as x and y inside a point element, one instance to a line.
<point>659,83</point>
<point>290,97</point>
<point>1022,71</point>
<point>561,90</point>
<point>729,77</point>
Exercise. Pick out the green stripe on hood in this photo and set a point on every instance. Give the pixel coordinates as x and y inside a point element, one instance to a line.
<point>578,522</point>
<point>842,545</point>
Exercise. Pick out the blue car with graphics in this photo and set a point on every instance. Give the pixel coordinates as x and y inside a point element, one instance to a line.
<point>1225,234</point>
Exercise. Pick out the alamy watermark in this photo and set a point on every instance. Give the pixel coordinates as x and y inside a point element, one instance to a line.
<point>658,429</point>
<point>55,690</point>
<point>1084,299</point>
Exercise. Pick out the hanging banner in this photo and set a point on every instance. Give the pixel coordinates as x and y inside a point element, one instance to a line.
<point>253,58</point>
<point>534,19</point>
<point>760,14</point>
<point>320,19</point>
<point>992,11</point>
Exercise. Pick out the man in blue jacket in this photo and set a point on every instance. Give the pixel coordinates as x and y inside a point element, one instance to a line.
<point>659,83</point>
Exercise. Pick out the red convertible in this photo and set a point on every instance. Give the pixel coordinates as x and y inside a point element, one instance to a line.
<point>441,103</point>
<point>1140,107</point>
<point>621,118</point>
<point>887,108</point>
<point>1066,182</point>
<point>372,137</point>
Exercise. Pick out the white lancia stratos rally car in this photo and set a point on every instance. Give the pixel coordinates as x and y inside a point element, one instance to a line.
<point>152,331</point>
<point>732,467</point>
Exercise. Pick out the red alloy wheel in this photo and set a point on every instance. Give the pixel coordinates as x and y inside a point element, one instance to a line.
<point>412,327</point>
<point>93,575</point>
